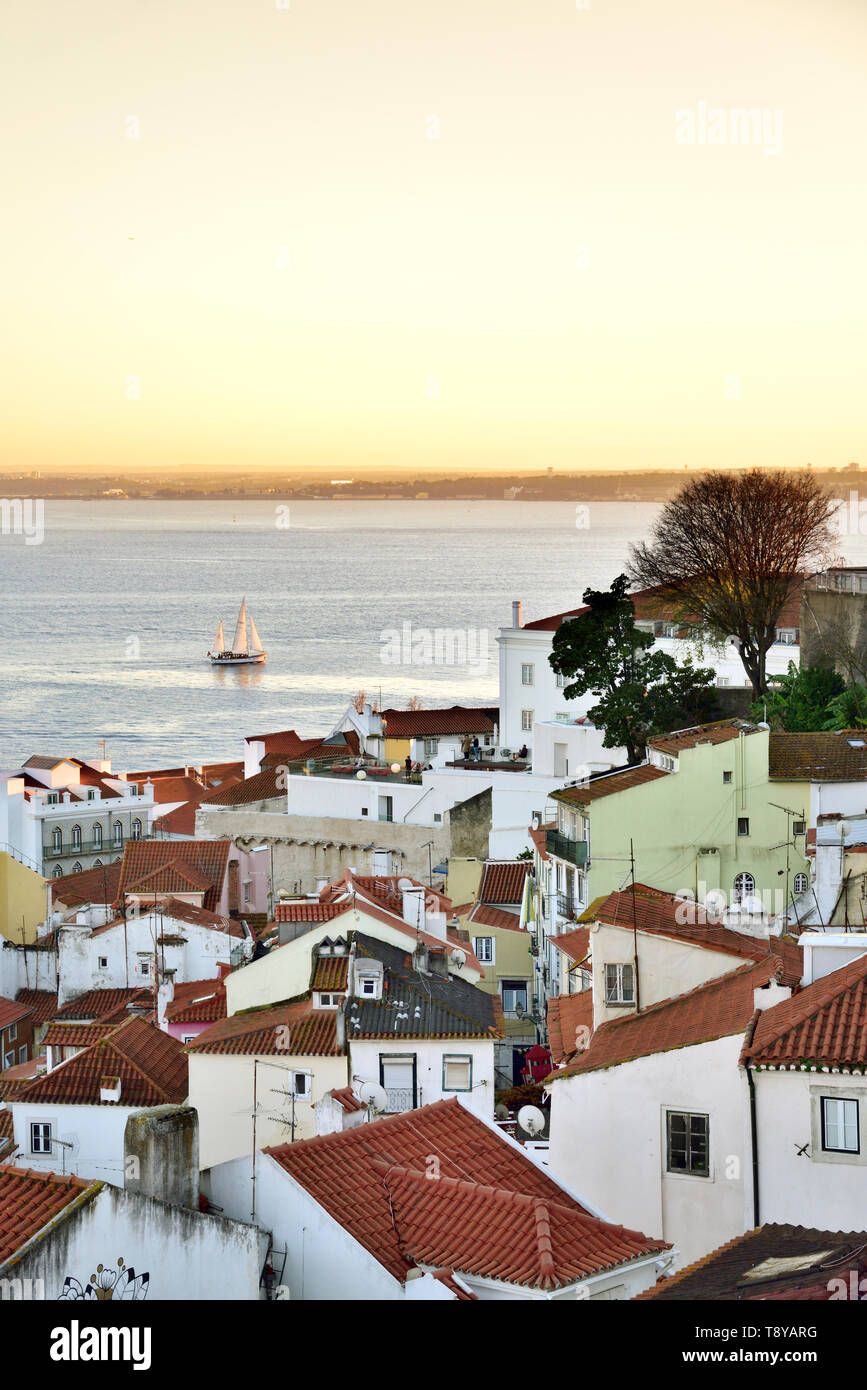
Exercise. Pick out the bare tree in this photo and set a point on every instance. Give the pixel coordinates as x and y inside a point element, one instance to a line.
<point>358,700</point>
<point>414,702</point>
<point>731,549</point>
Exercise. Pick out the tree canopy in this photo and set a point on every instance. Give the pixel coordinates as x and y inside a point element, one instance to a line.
<point>639,692</point>
<point>730,551</point>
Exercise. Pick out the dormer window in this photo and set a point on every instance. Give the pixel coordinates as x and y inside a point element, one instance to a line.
<point>368,986</point>
<point>52,798</point>
<point>322,999</point>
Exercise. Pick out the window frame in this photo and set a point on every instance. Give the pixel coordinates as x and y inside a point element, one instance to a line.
<point>619,999</point>
<point>510,984</point>
<point>41,1125</point>
<point>461,1059</point>
<point>745,821</point>
<point>528,673</point>
<point>688,1171</point>
<point>841,1101</point>
<point>480,956</point>
<point>527,717</point>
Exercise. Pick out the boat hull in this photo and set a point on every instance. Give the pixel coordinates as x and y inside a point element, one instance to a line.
<point>253,659</point>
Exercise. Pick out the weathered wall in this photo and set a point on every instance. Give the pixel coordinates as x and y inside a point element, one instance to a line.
<point>470,826</point>
<point>830,622</point>
<point>161,1155</point>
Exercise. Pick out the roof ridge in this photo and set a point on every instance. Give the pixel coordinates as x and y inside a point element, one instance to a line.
<point>825,996</point>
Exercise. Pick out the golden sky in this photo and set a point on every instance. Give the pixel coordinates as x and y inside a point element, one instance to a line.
<point>236,210</point>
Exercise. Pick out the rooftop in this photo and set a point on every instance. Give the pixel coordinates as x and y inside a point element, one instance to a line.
<point>503,881</point>
<point>414,1006</point>
<point>819,757</point>
<point>145,860</point>
<point>570,1024</point>
<point>721,731</point>
<point>295,1029</point>
<point>608,784</point>
<point>824,1024</point>
<point>28,1201</point>
<point>151,1067</point>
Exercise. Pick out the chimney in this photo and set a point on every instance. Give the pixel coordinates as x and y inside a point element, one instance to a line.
<point>413,907</point>
<point>773,993</point>
<point>161,1155</point>
<point>517,606</point>
<point>109,1089</point>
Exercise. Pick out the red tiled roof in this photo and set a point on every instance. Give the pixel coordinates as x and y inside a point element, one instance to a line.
<point>391,1214</point>
<point>570,1023</point>
<point>102,1003</point>
<point>43,1002</point>
<point>309,911</point>
<point>647,603</point>
<point>174,877</point>
<point>13,1079</point>
<point>151,1065</point>
<point>818,757</point>
<point>496,917</point>
<point>11,1011</point>
<point>575,944</point>
<point>609,784</point>
<point>197,1001</point>
<point>330,973</point>
<point>208,859</point>
<point>76,1034</point>
<point>540,839</point>
<point>28,1201</point>
<point>267,785</point>
<point>498,1234</point>
<point>177,910</point>
<point>429,723</point>
<point>90,886</point>
<point>722,731</point>
<point>348,1099</point>
<point>658,913</point>
<point>263,1032</point>
<point>718,1009</point>
<point>447,1277</point>
<point>385,889</point>
<point>824,1024</point>
<point>503,882</point>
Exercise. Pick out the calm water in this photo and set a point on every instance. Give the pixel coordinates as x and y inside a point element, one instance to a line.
<point>105,625</point>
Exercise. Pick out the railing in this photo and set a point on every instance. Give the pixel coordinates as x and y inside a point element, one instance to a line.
<point>399,1099</point>
<point>573,851</point>
<point>21,858</point>
<point>109,845</point>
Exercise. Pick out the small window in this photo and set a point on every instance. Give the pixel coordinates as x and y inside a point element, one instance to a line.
<point>743,825</point>
<point>76,868</point>
<point>431,747</point>
<point>91,794</point>
<point>188,1038</point>
<point>561,680</point>
<point>840,1125</point>
<point>22,1054</point>
<point>52,799</point>
<point>301,1084</point>
<point>12,1032</point>
<point>369,986</point>
<point>117,833</point>
<point>438,817</point>
<point>457,1073</point>
<point>528,673</point>
<point>484,949</point>
<point>9,1059</point>
<point>364,810</point>
<point>802,883</point>
<point>328,1001</point>
<point>727,776</point>
<point>688,1149</point>
<point>798,827</point>
<point>133,788</point>
<point>144,967</point>
<point>40,1138</point>
<point>619,984</point>
<point>57,840</point>
<point>514,994</point>
<point>103,962</point>
<point>526,720</point>
<point>97,837</point>
<point>57,871</point>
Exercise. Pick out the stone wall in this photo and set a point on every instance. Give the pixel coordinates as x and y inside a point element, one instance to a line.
<point>831,622</point>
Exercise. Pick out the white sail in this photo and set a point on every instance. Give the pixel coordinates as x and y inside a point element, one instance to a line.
<point>240,641</point>
<point>255,644</point>
<point>220,644</point>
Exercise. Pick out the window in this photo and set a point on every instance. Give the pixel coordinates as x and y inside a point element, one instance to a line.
<point>743,825</point>
<point>528,673</point>
<point>136,830</point>
<point>364,810</point>
<point>561,681</point>
<point>619,984</point>
<point>144,967</point>
<point>727,777</point>
<point>57,840</point>
<point>526,720</point>
<point>368,986</point>
<point>802,883</point>
<point>133,788</point>
<point>431,747</point>
<point>103,962</point>
<point>91,794</point>
<point>840,1125</point>
<point>798,827</point>
<point>117,833</point>
<point>52,798</point>
<point>57,871</point>
<point>188,1038</point>
<point>9,1059</point>
<point>457,1073</point>
<point>744,886</point>
<point>12,1032</point>
<point>97,837</point>
<point>484,949</point>
<point>386,808</point>
<point>438,817</point>
<point>514,994</point>
<point>76,837</point>
<point>398,1075</point>
<point>300,1084</point>
<point>22,1054</point>
<point>787,635</point>
<point>76,868</point>
<point>97,863</point>
<point>328,1001</point>
<point>40,1138</point>
<point>688,1150</point>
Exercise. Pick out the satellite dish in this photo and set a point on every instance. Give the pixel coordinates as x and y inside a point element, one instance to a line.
<point>535,822</point>
<point>752,903</point>
<point>373,1095</point>
<point>458,957</point>
<point>715,902</point>
<point>531,1119</point>
<point>404,884</point>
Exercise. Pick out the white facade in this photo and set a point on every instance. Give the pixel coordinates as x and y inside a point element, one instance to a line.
<point>85,1139</point>
<point>429,1055</point>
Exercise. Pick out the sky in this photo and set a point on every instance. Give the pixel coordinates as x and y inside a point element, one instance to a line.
<point>470,234</point>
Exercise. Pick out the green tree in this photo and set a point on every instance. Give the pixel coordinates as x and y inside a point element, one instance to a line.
<point>799,701</point>
<point>848,710</point>
<point>639,692</point>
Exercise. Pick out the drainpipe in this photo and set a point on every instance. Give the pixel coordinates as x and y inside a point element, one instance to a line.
<point>754,1141</point>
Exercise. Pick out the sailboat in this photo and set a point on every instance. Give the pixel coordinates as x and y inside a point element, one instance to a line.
<point>243,652</point>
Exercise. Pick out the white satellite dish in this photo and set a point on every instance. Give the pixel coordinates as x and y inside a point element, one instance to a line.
<point>458,957</point>
<point>715,902</point>
<point>404,884</point>
<point>752,903</point>
<point>530,1119</point>
<point>373,1095</point>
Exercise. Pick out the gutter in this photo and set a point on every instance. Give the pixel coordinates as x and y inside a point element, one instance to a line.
<point>754,1145</point>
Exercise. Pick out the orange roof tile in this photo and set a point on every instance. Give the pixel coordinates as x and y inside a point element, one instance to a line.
<point>496,917</point>
<point>348,1099</point>
<point>288,1030</point>
<point>12,1011</point>
<point>503,881</point>
<point>197,1001</point>
<point>609,784</point>
<point>330,973</point>
<point>718,1009</point>
<point>429,723</point>
<point>207,859</point>
<point>824,1024</point>
<point>102,1003</point>
<point>90,886</point>
<point>391,1213</point>
<point>43,1002</point>
<point>575,944</point>
<point>818,757</point>
<point>570,1024</point>
<point>721,731</point>
<point>28,1201</point>
<point>151,1065</point>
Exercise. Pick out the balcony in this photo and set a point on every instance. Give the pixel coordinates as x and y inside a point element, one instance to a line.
<point>572,851</point>
<point>400,1099</point>
<point>108,845</point>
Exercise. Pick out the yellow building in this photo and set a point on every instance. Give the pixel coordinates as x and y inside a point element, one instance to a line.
<point>23,903</point>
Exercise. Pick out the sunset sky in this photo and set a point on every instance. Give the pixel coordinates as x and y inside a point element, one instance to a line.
<point>291,273</point>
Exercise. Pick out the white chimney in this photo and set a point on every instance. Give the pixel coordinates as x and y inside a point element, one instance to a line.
<point>772,994</point>
<point>109,1089</point>
<point>413,907</point>
<point>517,620</point>
<point>435,925</point>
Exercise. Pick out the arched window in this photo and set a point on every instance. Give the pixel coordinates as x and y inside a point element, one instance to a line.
<point>76,868</point>
<point>57,871</point>
<point>76,837</point>
<point>118,834</point>
<point>97,837</point>
<point>745,886</point>
<point>57,840</point>
<point>97,863</point>
<point>136,830</point>
<point>802,883</point>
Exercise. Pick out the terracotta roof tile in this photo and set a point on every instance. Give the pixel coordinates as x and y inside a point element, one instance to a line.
<point>348,1099</point>
<point>722,731</point>
<point>570,1024</point>
<point>28,1201</point>
<point>102,1003</point>
<point>818,757</point>
<point>503,881</point>
<point>330,973</point>
<point>429,723</point>
<point>197,1001</point>
<point>309,911</point>
<point>208,859</point>
<point>43,1002</point>
<point>151,1065</point>
<point>13,1011</point>
<point>76,1034</point>
<point>540,839</point>
<point>575,944</point>
<point>496,917</point>
<point>824,1024</point>
<point>718,1009</point>
<point>609,784</point>
<point>290,1029</point>
<point>483,1173</point>
<point>90,886</point>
